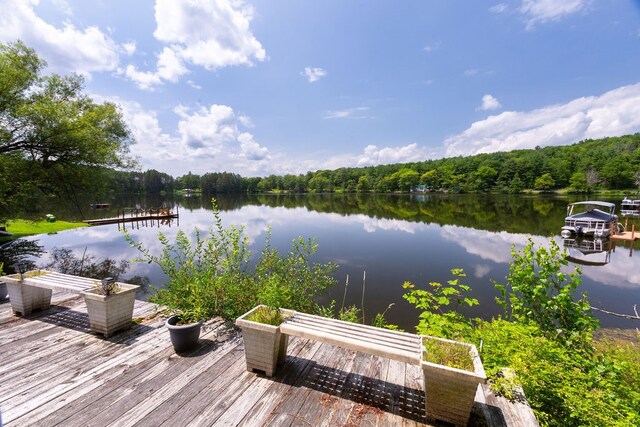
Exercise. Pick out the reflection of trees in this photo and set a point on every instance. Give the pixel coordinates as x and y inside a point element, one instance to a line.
<point>19,251</point>
<point>515,214</point>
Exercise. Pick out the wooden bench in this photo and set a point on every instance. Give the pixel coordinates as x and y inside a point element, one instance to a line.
<point>386,343</point>
<point>107,314</point>
<point>449,392</point>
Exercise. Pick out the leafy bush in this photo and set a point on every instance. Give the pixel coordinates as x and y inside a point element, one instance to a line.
<point>538,291</point>
<point>563,387</point>
<point>546,340</point>
<point>437,319</point>
<point>210,276</point>
<point>293,280</point>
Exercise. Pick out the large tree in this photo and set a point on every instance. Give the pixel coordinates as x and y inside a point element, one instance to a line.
<point>51,133</point>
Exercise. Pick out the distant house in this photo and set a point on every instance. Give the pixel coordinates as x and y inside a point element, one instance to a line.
<point>420,189</point>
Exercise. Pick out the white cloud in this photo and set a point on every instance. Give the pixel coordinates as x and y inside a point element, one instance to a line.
<point>382,156</point>
<point>169,68</point>
<point>66,49</point>
<point>499,8</point>
<point>541,11</point>
<point>349,113</point>
<point>209,33</point>
<point>251,149</point>
<point>194,84</point>
<point>143,79</point>
<point>245,121</point>
<point>129,48</point>
<point>433,46</point>
<point>489,103</point>
<point>613,113</point>
<point>471,72</point>
<point>313,74</point>
<point>206,139</point>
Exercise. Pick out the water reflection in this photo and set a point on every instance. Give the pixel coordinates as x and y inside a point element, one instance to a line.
<point>392,237</point>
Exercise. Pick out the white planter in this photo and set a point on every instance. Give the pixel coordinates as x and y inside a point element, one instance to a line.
<point>111,313</point>
<point>24,298</point>
<point>264,345</point>
<point>450,392</point>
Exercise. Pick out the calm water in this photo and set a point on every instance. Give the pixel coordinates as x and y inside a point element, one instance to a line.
<point>391,238</point>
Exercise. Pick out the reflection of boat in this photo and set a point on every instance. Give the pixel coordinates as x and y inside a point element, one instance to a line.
<point>630,207</point>
<point>99,205</point>
<point>594,219</point>
<point>593,251</point>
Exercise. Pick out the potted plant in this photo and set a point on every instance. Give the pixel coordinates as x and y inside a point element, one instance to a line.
<point>3,286</point>
<point>110,306</point>
<point>25,299</point>
<point>184,329</point>
<point>452,371</point>
<point>264,345</point>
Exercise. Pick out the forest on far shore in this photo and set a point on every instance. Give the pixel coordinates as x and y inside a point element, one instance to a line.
<point>600,164</point>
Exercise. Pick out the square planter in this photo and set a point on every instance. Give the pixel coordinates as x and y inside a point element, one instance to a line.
<point>450,392</point>
<point>264,345</point>
<point>110,313</point>
<point>25,298</point>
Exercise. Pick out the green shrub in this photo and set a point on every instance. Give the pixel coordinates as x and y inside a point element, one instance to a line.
<point>437,318</point>
<point>538,291</point>
<point>563,387</point>
<point>210,275</point>
<point>546,340</point>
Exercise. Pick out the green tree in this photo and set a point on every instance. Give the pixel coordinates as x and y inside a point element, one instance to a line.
<point>544,182</point>
<point>52,130</point>
<point>579,182</point>
<point>539,292</point>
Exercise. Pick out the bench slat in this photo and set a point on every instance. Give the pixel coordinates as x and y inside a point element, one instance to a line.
<point>60,281</point>
<point>356,328</point>
<point>396,345</point>
<point>352,332</point>
<point>352,344</point>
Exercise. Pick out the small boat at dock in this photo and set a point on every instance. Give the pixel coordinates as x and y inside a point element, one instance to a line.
<point>630,207</point>
<point>590,218</point>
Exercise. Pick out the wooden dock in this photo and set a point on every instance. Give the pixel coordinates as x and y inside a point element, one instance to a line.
<point>137,215</point>
<point>54,372</point>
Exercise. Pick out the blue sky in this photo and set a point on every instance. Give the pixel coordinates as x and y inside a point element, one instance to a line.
<point>262,87</point>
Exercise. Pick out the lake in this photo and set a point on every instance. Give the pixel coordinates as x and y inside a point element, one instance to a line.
<point>388,238</point>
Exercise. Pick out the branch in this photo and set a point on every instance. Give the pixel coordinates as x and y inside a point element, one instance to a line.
<point>626,316</point>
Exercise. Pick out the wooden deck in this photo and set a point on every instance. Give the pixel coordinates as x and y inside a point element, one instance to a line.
<point>55,372</point>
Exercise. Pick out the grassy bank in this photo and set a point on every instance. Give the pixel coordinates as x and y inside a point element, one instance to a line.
<point>22,227</point>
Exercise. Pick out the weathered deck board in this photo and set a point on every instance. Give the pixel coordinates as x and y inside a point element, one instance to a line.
<point>57,373</point>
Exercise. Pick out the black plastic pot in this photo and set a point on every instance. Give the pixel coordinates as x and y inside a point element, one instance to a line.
<point>183,337</point>
<point>3,291</point>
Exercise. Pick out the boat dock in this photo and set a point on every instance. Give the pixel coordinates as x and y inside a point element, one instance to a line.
<point>160,215</point>
<point>56,373</point>
<point>629,236</point>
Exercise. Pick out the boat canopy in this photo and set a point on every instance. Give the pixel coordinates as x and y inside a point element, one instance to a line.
<point>595,203</point>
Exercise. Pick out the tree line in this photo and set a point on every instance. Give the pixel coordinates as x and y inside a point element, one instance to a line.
<point>608,163</point>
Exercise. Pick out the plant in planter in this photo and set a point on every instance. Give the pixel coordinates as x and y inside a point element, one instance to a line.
<point>3,286</point>
<point>25,299</point>
<point>110,306</point>
<point>184,329</point>
<point>452,371</point>
<point>206,277</point>
<point>264,345</point>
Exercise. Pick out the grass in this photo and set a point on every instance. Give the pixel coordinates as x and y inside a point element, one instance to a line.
<point>22,227</point>
<point>449,354</point>
<point>267,315</point>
